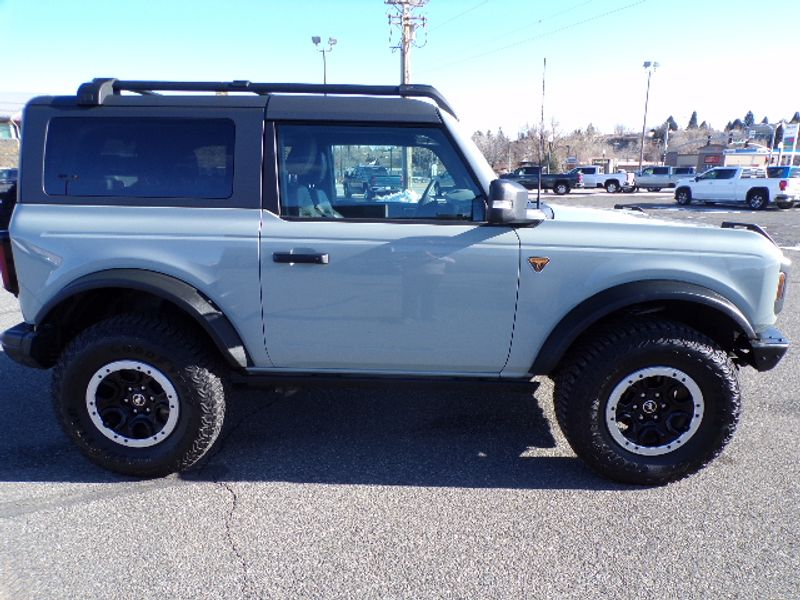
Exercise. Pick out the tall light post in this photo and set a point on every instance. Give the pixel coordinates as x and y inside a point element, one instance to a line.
<point>650,66</point>
<point>331,43</point>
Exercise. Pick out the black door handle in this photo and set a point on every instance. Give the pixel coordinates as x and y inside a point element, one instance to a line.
<point>309,259</point>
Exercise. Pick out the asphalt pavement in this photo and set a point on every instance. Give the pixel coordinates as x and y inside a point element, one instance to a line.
<point>390,493</point>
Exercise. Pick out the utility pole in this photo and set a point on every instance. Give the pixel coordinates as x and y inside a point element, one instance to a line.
<point>651,66</point>
<point>404,18</point>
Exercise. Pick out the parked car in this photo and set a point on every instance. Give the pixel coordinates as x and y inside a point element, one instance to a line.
<point>783,172</point>
<point>653,179</point>
<point>738,184</point>
<point>560,183</point>
<point>170,244</point>
<point>371,181</point>
<point>8,177</point>
<point>593,176</point>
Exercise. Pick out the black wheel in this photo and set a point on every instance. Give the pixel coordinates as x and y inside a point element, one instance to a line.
<point>139,395</point>
<point>683,196</point>
<point>653,189</point>
<point>561,188</point>
<point>612,187</point>
<point>757,199</point>
<point>348,193</point>
<point>647,401</point>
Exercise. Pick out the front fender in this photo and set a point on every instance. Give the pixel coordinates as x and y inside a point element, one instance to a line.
<point>615,299</point>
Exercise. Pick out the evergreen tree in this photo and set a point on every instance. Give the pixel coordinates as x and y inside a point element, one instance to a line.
<point>673,126</point>
<point>795,118</point>
<point>765,121</point>
<point>737,124</point>
<point>729,126</point>
<point>778,135</point>
<point>693,121</point>
<point>704,125</point>
<point>749,119</point>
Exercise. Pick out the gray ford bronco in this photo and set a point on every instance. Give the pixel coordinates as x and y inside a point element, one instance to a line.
<point>165,245</point>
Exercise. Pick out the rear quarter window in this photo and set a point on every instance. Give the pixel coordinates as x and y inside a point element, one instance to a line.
<point>139,157</point>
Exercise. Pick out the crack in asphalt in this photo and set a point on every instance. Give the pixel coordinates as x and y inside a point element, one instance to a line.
<point>246,587</point>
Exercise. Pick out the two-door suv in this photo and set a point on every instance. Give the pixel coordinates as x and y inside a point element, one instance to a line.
<point>164,245</point>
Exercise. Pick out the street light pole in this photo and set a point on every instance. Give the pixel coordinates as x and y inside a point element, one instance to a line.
<point>331,43</point>
<point>650,66</point>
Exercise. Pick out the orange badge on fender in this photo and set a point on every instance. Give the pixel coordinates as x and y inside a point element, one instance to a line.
<point>538,262</point>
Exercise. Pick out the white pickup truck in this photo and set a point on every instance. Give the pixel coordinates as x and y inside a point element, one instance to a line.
<point>738,184</point>
<point>595,177</point>
<point>653,179</point>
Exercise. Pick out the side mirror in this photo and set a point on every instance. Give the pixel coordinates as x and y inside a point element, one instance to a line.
<point>508,202</point>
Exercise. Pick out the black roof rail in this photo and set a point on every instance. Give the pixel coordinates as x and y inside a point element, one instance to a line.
<point>96,91</point>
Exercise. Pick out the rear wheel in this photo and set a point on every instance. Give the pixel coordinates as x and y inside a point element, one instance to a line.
<point>139,395</point>
<point>647,401</point>
<point>561,188</point>
<point>654,189</point>
<point>612,187</point>
<point>683,196</point>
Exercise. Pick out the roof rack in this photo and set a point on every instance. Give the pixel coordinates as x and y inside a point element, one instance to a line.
<point>96,91</point>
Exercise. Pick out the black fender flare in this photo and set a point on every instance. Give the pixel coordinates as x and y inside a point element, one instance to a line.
<point>609,301</point>
<point>187,298</point>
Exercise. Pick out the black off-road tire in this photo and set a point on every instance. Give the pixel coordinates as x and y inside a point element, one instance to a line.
<point>683,196</point>
<point>165,357</point>
<point>611,359</point>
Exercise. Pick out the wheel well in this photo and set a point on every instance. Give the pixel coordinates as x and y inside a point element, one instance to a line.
<point>76,313</point>
<point>718,326</point>
<point>758,189</point>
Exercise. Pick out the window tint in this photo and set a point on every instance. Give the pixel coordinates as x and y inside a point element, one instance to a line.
<point>139,157</point>
<point>726,173</point>
<point>660,170</point>
<point>335,172</point>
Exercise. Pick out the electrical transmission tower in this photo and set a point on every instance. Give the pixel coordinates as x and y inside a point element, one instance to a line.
<point>401,14</point>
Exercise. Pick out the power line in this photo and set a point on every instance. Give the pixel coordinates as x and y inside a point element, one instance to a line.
<point>461,14</point>
<point>539,36</point>
<point>506,34</point>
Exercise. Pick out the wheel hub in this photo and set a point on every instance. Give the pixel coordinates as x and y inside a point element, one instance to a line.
<point>654,411</point>
<point>132,403</point>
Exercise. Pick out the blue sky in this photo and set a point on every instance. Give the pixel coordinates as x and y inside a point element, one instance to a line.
<point>484,55</point>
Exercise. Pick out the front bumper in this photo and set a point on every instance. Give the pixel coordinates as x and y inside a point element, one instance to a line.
<point>29,346</point>
<point>768,349</point>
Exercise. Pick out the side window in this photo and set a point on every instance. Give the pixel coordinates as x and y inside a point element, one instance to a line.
<point>365,172</point>
<point>660,170</point>
<point>139,157</point>
<point>726,173</point>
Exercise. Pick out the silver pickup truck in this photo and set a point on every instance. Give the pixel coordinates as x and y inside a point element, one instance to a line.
<point>654,179</point>
<point>164,246</point>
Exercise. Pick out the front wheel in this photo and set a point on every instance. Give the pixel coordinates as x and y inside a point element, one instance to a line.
<point>647,401</point>
<point>612,187</point>
<point>757,199</point>
<point>683,196</point>
<point>654,189</point>
<point>561,189</point>
<point>139,395</point>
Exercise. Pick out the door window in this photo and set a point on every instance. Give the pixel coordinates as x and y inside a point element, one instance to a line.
<point>353,172</point>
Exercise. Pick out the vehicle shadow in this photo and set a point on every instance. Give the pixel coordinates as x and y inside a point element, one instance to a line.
<point>484,438</point>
